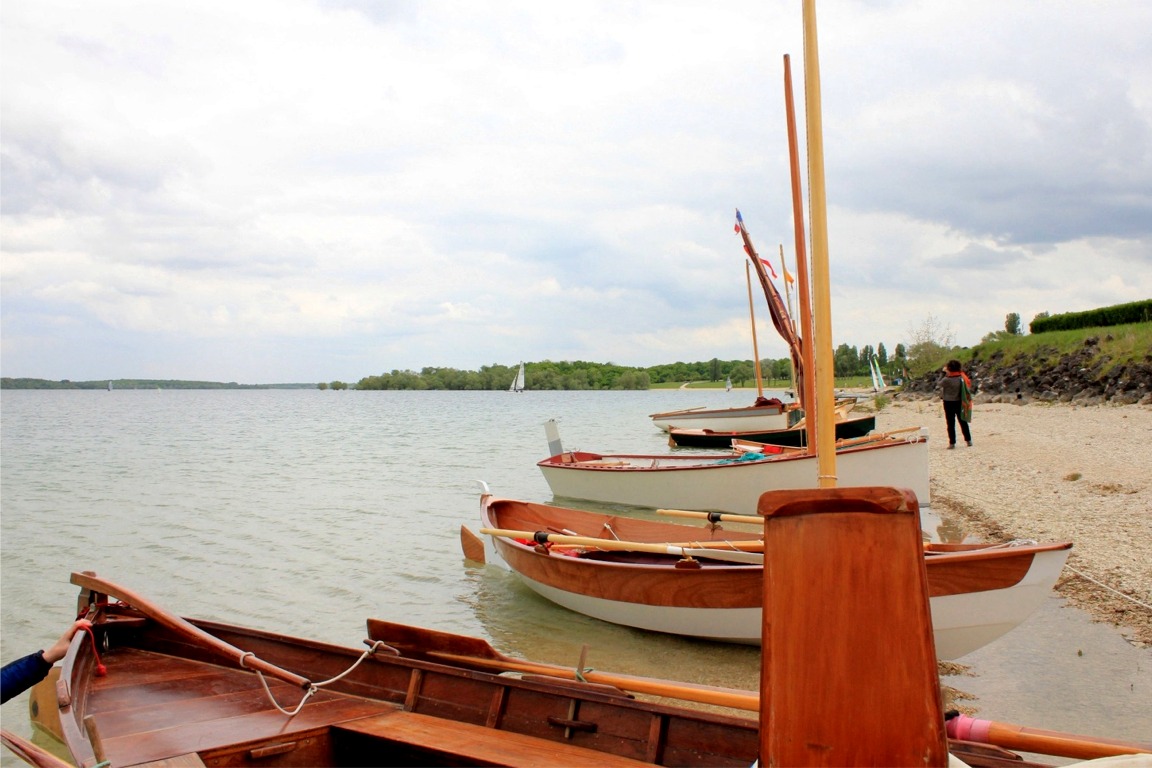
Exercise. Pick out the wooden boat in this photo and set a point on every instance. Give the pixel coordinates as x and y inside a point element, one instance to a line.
<point>703,581</point>
<point>151,688</point>
<point>793,437</point>
<point>734,481</point>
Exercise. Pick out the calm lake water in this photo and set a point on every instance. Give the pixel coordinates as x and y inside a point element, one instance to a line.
<point>307,512</point>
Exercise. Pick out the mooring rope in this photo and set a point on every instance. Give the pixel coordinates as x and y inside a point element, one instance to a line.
<point>1116,592</point>
<point>1076,571</point>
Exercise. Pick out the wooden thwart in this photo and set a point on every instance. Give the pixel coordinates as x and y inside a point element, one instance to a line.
<point>468,744</point>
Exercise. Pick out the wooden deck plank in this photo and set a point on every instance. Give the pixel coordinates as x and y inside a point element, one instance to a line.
<point>469,744</point>
<point>170,741</point>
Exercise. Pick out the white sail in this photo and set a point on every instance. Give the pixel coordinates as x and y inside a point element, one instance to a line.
<point>518,383</point>
<point>877,376</point>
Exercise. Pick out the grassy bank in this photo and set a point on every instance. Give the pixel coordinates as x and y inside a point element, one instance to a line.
<point>1122,344</point>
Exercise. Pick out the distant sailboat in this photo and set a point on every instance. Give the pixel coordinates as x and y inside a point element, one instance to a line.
<point>109,386</point>
<point>518,382</point>
<point>728,384</point>
<point>877,377</point>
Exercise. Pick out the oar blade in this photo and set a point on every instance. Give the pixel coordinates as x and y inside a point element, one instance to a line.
<point>417,642</point>
<point>472,545</point>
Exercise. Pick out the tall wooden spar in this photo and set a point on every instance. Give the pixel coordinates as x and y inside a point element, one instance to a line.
<point>808,395</point>
<point>821,300</point>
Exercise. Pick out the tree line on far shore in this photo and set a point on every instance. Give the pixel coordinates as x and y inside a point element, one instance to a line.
<point>582,375</point>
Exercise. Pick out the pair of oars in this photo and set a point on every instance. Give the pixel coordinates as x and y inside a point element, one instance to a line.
<point>750,552</point>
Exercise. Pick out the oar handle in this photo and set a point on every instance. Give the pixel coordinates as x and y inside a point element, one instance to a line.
<point>182,627</point>
<point>1041,741</point>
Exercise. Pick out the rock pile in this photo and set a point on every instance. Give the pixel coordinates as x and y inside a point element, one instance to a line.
<point>1079,377</point>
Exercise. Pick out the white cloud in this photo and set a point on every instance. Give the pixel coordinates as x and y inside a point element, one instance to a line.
<point>299,191</point>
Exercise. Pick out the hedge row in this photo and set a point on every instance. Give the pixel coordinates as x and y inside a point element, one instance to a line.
<point>1119,314</point>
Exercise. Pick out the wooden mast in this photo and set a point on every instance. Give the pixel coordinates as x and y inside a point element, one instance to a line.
<point>792,314</point>
<point>755,349</point>
<point>808,382</point>
<point>822,300</point>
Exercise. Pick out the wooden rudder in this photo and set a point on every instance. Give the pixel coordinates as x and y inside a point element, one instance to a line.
<point>848,672</point>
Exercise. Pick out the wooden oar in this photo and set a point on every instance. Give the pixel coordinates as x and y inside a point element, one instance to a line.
<point>189,631</point>
<point>1041,741</point>
<point>475,652</point>
<point>713,517</point>
<point>31,753</point>
<point>735,551</point>
<point>752,445</point>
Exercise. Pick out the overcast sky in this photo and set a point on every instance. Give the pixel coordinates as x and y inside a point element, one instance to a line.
<point>308,190</point>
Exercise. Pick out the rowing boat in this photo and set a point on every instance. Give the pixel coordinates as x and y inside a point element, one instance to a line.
<point>703,580</point>
<point>733,482</point>
<point>149,688</point>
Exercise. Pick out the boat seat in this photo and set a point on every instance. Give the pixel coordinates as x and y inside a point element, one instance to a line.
<point>469,744</point>
<point>601,463</point>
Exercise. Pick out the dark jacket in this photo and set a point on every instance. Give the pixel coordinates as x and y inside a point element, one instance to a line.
<point>22,674</point>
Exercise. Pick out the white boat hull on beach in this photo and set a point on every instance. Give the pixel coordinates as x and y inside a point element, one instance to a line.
<point>715,482</point>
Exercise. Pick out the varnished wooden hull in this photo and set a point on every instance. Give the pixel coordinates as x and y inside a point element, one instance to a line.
<point>166,699</point>
<point>977,592</point>
<point>166,691</point>
<point>716,482</point>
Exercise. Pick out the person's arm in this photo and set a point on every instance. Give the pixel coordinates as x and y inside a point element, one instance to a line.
<point>60,647</point>
<point>22,674</point>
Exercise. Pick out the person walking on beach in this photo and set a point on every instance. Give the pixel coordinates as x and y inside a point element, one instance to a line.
<point>956,392</point>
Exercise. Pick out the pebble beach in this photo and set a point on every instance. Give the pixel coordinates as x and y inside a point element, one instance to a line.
<point>1054,472</point>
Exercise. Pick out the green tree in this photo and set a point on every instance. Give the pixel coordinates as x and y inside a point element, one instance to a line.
<point>740,373</point>
<point>882,355</point>
<point>846,360</point>
<point>1012,324</point>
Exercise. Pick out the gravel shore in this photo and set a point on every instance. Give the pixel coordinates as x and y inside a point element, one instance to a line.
<point>1054,472</point>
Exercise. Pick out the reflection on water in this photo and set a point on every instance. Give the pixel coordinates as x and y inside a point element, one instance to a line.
<point>307,512</point>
